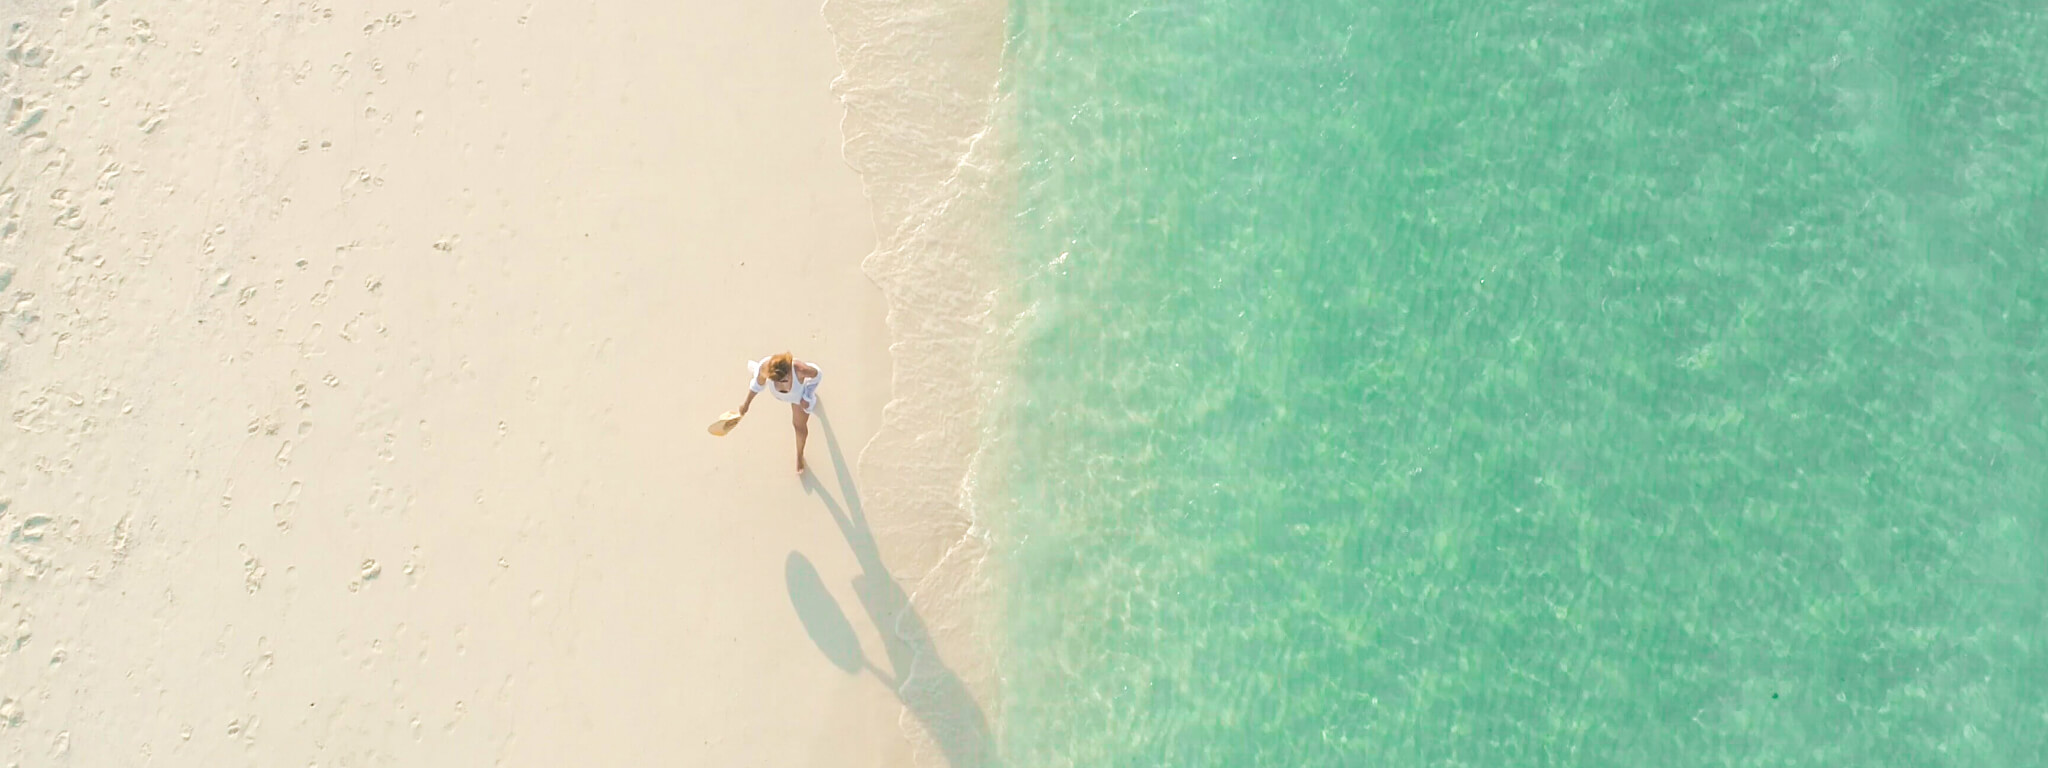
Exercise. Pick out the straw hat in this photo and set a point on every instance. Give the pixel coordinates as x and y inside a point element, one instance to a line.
<point>726,421</point>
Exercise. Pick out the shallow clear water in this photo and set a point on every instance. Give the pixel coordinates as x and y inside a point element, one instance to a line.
<point>1598,382</point>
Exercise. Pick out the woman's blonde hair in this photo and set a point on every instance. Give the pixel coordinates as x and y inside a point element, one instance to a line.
<point>779,366</point>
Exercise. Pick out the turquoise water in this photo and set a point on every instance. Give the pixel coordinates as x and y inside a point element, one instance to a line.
<point>1573,383</point>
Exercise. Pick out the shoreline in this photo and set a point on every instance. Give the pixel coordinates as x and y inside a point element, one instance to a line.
<point>928,144</point>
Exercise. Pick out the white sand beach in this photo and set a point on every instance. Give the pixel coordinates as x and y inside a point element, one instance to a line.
<point>357,361</point>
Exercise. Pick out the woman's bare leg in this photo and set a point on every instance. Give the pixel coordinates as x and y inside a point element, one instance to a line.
<point>803,431</point>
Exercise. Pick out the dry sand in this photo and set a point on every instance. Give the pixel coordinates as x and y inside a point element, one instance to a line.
<point>356,362</point>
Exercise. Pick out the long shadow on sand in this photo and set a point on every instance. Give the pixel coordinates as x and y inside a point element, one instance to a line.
<point>927,688</point>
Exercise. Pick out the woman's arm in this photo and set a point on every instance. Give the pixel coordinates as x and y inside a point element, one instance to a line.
<point>753,388</point>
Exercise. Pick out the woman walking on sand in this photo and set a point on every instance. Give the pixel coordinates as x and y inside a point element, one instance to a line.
<point>792,381</point>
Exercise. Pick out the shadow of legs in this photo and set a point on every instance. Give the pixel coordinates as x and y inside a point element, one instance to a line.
<point>927,687</point>
<point>821,616</point>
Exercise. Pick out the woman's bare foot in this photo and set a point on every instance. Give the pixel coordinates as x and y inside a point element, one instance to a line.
<point>800,466</point>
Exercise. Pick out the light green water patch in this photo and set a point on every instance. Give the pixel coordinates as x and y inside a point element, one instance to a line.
<point>1565,383</point>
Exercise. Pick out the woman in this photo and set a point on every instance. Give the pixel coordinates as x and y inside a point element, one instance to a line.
<point>792,381</point>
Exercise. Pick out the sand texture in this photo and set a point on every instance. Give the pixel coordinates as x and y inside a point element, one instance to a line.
<point>357,361</point>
